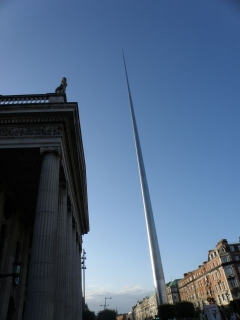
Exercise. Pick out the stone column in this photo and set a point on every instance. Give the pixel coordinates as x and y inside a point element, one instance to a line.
<point>74,272</point>
<point>69,275</point>
<point>79,279</point>
<point>61,258</point>
<point>41,284</point>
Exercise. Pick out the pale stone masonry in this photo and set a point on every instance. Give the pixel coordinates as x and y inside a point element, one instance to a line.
<point>61,256</point>
<point>69,277</point>
<point>41,288</point>
<point>145,309</point>
<point>43,207</point>
<point>74,270</point>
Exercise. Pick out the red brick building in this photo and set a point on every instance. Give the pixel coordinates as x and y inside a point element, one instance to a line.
<point>217,279</point>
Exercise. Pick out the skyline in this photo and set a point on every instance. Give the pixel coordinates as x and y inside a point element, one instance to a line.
<point>183,64</point>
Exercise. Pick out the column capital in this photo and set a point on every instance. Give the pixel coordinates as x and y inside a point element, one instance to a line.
<point>54,149</point>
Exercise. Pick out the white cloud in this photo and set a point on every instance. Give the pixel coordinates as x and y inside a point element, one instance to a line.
<point>122,300</point>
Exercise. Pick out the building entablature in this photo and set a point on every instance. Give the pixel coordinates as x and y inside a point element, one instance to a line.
<point>44,121</point>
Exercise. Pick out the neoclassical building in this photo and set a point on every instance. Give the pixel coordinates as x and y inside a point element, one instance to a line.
<point>43,207</point>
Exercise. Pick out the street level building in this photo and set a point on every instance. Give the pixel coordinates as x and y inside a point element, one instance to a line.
<point>43,207</point>
<point>215,280</point>
<point>145,309</point>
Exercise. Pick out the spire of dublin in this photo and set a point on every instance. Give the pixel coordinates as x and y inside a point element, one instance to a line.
<point>158,275</point>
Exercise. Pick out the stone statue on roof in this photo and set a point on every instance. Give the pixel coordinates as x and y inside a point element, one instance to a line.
<point>62,87</point>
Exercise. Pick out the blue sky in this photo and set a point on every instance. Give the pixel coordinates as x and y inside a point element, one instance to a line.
<point>184,71</point>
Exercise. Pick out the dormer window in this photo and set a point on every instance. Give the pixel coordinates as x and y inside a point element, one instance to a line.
<point>223,249</point>
<point>232,248</point>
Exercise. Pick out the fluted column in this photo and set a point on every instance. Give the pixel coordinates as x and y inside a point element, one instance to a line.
<point>61,258</point>
<point>41,285</point>
<point>79,279</point>
<point>74,272</point>
<point>69,275</point>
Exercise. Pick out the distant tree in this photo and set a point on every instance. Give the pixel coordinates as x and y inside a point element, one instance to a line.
<point>166,311</point>
<point>107,314</point>
<point>88,315</point>
<point>184,309</point>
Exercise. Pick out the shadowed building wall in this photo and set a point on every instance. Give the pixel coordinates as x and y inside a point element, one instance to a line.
<point>43,207</point>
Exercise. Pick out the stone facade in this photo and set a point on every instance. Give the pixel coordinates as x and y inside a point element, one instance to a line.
<point>216,280</point>
<point>43,207</point>
<point>145,309</point>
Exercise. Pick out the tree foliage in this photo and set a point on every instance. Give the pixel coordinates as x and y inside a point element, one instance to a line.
<point>107,314</point>
<point>166,311</point>
<point>88,315</point>
<point>184,309</point>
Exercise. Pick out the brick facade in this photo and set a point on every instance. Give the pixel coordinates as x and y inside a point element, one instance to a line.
<point>217,279</point>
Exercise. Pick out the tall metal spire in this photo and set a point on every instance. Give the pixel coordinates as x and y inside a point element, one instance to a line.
<point>158,275</point>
